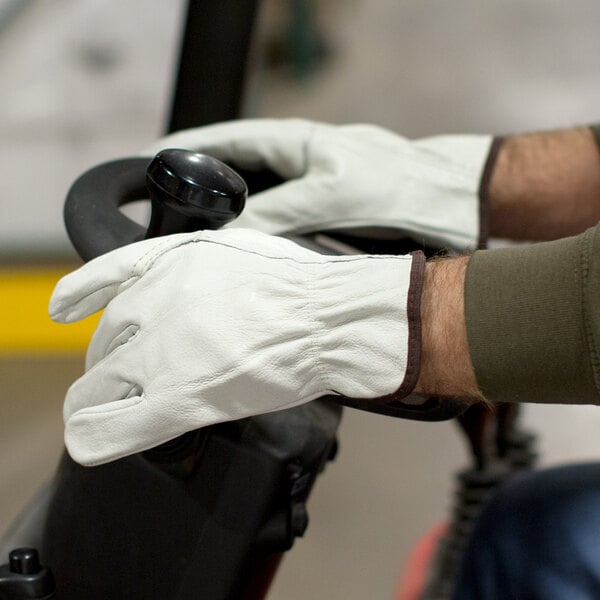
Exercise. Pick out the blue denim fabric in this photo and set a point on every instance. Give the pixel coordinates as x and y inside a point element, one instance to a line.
<point>537,539</point>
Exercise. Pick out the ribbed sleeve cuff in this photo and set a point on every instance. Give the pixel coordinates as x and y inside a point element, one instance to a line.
<point>533,321</point>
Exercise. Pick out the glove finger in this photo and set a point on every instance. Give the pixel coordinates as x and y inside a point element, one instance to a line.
<point>95,436</point>
<point>252,144</point>
<point>91,287</point>
<point>104,433</point>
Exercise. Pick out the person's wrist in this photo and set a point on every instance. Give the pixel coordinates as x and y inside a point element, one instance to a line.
<point>446,367</point>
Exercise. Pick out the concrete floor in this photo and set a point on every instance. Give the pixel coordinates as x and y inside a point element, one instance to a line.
<point>418,67</point>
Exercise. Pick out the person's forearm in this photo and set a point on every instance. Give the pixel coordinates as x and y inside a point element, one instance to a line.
<point>545,186</point>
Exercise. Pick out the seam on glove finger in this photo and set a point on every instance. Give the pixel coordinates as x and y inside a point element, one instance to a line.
<point>109,407</point>
<point>113,352</point>
<point>124,337</point>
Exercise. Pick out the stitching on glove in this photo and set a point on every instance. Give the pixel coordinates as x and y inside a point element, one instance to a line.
<point>164,245</point>
<point>336,259</point>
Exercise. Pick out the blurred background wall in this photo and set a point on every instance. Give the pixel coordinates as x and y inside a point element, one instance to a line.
<point>83,81</point>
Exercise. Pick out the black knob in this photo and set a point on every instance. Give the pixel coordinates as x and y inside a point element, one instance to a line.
<point>24,561</point>
<point>191,191</point>
<point>24,577</point>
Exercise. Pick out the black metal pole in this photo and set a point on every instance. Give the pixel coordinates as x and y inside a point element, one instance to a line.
<point>212,65</point>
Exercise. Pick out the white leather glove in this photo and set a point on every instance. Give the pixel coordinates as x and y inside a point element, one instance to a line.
<point>217,325</point>
<point>352,176</point>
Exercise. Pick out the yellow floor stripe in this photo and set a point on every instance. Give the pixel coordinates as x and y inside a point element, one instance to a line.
<point>25,327</point>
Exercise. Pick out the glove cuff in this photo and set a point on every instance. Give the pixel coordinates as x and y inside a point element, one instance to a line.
<point>413,315</point>
<point>391,344</point>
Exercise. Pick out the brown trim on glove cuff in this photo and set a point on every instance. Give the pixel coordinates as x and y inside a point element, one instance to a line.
<point>413,313</point>
<point>484,192</point>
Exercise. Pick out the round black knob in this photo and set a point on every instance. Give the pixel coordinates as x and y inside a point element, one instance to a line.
<point>191,191</point>
<point>24,561</point>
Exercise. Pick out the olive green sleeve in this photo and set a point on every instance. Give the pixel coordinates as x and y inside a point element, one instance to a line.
<point>533,320</point>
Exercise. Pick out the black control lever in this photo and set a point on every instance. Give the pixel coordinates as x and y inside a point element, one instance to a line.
<point>191,191</point>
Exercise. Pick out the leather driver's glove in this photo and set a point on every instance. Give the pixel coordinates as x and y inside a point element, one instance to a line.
<point>353,176</point>
<point>217,325</point>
